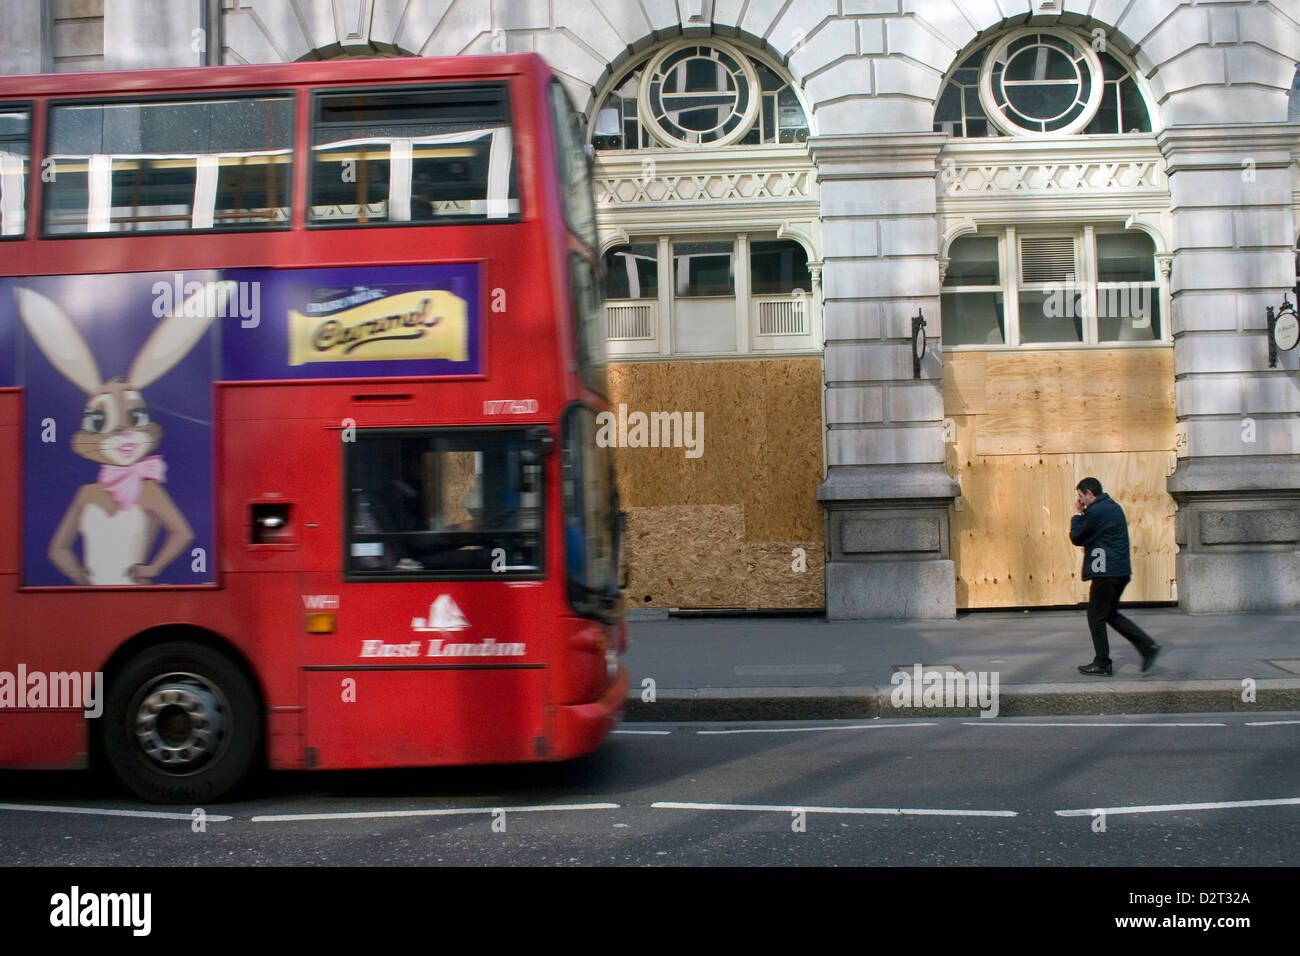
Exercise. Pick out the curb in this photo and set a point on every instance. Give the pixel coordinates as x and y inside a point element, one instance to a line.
<point>1014,700</point>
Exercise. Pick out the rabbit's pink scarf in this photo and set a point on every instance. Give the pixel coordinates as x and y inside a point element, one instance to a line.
<point>125,481</point>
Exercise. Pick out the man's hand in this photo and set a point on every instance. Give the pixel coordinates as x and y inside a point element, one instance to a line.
<point>1078,502</point>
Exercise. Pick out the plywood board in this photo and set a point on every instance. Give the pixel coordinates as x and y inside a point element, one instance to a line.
<point>963,383</point>
<point>791,446</point>
<point>1010,531</point>
<point>1010,527</point>
<point>1137,483</point>
<point>718,530</point>
<point>1081,400</point>
<point>696,556</point>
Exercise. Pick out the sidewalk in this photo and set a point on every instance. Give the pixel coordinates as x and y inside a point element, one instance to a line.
<point>791,668</point>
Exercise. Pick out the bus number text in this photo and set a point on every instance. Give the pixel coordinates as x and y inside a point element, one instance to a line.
<point>522,406</point>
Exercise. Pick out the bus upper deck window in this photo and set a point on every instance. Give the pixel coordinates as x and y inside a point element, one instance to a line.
<point>429,155</point>
<point>15,158</point>
<point>169,166</point>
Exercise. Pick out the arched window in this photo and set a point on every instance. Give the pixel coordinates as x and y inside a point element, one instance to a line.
<point>1040,82</point>
<point>778,267</point>
<point>699,94</point>
<point>632,272</point>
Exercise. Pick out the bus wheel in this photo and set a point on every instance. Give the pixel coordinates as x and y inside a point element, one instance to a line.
<point>181,724</point>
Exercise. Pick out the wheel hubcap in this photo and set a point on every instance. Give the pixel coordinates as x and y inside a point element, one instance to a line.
<point>179,721</point>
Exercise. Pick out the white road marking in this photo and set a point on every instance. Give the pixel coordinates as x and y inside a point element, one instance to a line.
<point>1177,807</point>
<point>993,723</point>
<point>449,812</point>
<point>891,811</point>
<point>804,730</point>
<point>104,812</point>
<point>1270,723</point>
<point>657,732</point>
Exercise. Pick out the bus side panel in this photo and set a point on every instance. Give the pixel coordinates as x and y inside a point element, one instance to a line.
<point>374,718</point>
<point>33,739</point>
<point>269,455</point>
<point>43,740</point>
<point>361,707</point>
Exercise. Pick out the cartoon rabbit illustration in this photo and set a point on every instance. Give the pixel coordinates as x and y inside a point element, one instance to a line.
<point>118,516</point>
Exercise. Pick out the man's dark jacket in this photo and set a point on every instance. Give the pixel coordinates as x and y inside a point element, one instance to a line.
<point>1103,526</point>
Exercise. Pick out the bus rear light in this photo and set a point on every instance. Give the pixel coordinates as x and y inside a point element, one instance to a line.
<point>321,622</point>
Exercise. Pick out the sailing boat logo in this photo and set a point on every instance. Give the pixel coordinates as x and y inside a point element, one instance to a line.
<point>444,616</point>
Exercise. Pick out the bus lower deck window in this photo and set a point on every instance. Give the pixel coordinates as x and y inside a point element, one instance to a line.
<point>443,503</point>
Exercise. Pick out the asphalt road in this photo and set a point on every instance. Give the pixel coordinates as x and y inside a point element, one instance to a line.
<point>848,793</point>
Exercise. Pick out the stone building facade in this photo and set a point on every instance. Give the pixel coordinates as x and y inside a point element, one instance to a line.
<point>980,163</point>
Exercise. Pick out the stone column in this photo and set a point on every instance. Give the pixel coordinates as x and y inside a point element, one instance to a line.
<point>155,34</point>
<point>1237,483</point>
<point>886,492</point>
<point>21,47</point>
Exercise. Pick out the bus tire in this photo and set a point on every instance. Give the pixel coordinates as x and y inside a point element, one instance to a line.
<point>181,724</point>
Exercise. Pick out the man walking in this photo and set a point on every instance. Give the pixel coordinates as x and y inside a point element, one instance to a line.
<point>1098,526</point>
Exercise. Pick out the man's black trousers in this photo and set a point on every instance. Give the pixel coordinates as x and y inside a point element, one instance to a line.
<point>1103,609</point>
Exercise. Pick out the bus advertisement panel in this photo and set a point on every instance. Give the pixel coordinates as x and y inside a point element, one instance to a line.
<point>118,372</point>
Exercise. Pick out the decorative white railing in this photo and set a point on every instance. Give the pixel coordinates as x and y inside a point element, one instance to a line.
<point>1031,177</point>
<point>781,314</point>
<point>1069,166</point>
<point>722,186</point>
<point>736,176</point>
<point>631,319</point>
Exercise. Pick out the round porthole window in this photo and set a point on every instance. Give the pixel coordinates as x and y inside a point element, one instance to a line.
<point>698,94</point>
<point>1041,83</point>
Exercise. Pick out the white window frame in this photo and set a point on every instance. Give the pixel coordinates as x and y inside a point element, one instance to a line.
<point>999,289</point>
<point>1086,270</point>
<point>748,342</point>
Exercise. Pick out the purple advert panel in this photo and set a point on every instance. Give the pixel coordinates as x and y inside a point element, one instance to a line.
<point>117,429</point>
<point>357,322</point>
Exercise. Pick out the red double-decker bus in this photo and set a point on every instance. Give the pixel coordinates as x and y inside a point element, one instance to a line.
<point>299,376</point>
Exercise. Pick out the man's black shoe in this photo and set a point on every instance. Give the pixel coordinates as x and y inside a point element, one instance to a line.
<point>1149,657</point>
<point>1096,670</point>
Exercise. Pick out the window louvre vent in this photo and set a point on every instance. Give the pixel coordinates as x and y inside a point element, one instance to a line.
<point>1047,259</point>
<point>786,316</point>
<point>630,321</point>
